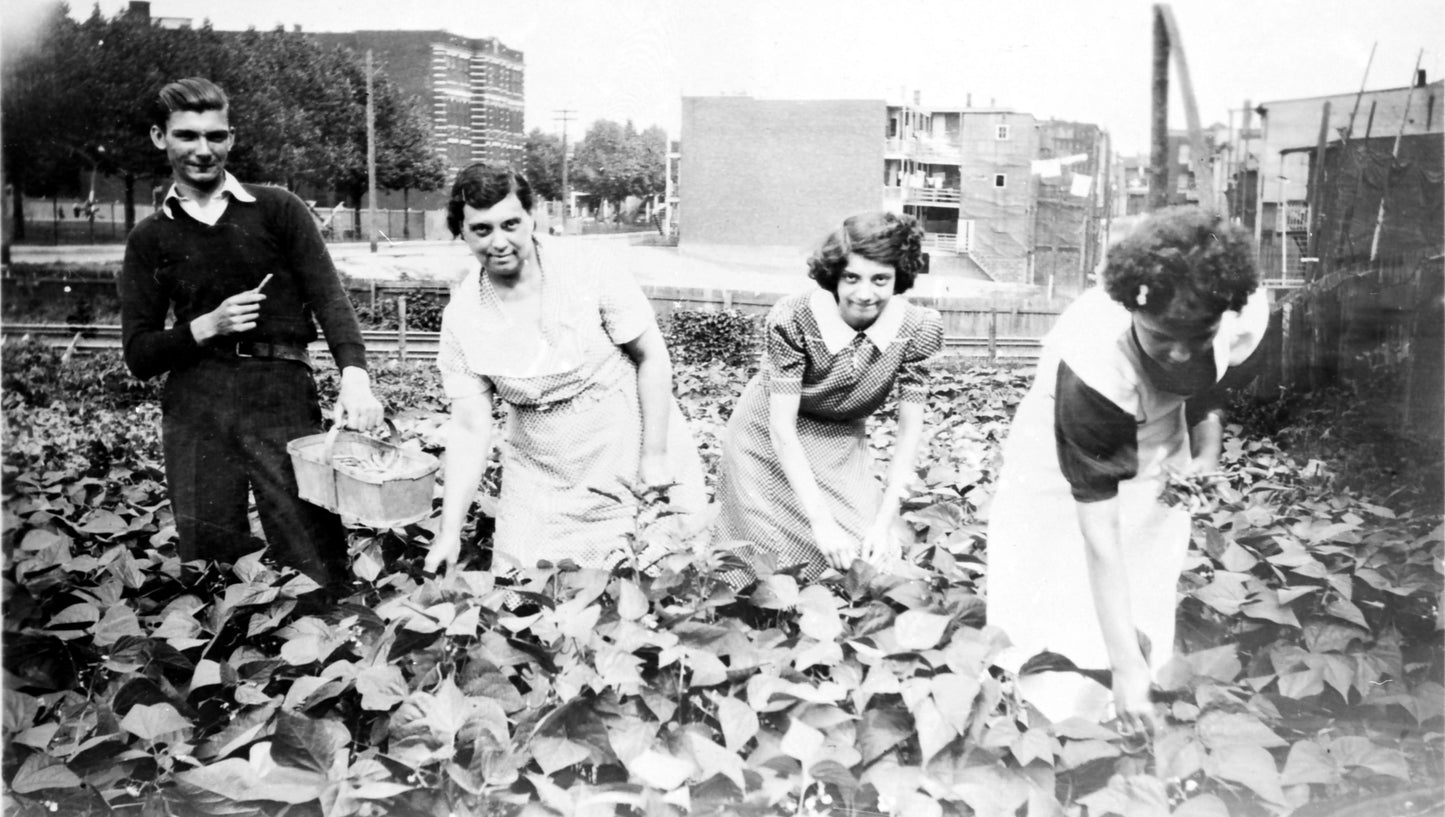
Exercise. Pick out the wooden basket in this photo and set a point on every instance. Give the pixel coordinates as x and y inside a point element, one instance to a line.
<point>402,496</point>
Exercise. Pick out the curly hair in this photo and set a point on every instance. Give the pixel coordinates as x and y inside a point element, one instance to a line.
<point>888,238</point>
<point>482,185</point>
<point>1186,249</point>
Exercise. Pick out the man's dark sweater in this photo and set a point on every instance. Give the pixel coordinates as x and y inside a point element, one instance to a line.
<point>178,262</point>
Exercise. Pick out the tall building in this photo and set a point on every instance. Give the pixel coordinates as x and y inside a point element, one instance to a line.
<point>475,88</point>
<point>965,172</point>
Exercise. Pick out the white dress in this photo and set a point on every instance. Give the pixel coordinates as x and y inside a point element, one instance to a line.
<point>574,425</point>
<point>1038,580</point>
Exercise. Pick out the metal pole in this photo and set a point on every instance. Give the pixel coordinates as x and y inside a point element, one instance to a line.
<point>1199,157</point>
<point>1159,131</point>
<point>1394,154</point>
<point>401,328</point>
<point>371,151</point>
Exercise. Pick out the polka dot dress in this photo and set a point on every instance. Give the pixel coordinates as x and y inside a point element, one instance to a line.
<point>574,425</point>
<point>840,381</point>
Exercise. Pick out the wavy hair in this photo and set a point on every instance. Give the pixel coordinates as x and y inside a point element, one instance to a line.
<point>482,185</point>
<point>887,238</point>
<point>1178,249</point>
<point>196,94</point>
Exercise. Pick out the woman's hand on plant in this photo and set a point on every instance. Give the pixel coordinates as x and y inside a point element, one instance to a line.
<point>838,548</point>
<point>445,550</point>
<point>653,471</point>
<point>880,547</point>
<point>1132,705</point>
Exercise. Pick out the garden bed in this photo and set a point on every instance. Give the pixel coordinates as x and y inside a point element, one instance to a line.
<point>136,684</point>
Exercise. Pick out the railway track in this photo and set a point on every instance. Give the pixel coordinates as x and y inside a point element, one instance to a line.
<point>423,345</point>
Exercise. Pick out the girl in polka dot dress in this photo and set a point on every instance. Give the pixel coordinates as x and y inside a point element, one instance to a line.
<point>574,351</point>
<point>796,476</point>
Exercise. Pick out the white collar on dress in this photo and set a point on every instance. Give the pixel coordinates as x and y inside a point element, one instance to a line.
<point>231,187</point>
<point>836,332</point>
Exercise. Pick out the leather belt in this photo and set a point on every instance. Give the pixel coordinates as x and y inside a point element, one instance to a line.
<point>273,351</point>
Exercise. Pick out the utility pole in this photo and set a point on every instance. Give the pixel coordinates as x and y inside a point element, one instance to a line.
<point>370,151</point>
<point>1159,120</point>
<point>564,115</point>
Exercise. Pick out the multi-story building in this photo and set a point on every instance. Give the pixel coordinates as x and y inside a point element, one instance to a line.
<point>1069,202</point>
<point>1277,175</point>
<point>965,172</point>
<point>475,89</point>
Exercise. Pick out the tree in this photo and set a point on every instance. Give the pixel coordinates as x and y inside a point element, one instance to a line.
<point>615,161</point>
<point>406,161</point>
<point>542,163</point>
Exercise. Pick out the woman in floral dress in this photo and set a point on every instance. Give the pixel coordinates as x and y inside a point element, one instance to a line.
<point>796,477</point>
<point>574,351</point>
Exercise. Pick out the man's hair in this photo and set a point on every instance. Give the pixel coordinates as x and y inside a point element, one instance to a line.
<point>190,94</point>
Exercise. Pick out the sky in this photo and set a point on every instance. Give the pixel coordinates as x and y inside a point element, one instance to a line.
<point>1083,60</point>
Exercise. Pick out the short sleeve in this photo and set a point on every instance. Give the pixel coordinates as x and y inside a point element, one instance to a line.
<point>918,359</point>
<point>458,379</point>
<point>1097,441</point>
<point>626,312</point>
<point>786,355</point>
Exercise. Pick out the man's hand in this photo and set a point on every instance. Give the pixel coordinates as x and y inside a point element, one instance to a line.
<point>235,315</point>
<point>356,407</point>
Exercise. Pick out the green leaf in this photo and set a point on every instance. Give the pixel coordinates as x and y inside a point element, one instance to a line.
<point>1035,744</point>
<point>1078,752</point>
<point>738,721</point>
<point>154,721</point>
<point>917,630</point>
<point>802,742</point>
<point>1226,593</point>
<point>1309,762</point>
<point>1220,730</point>
<point>554,753</point>
<point>933,729</point>
<point>660,770</point>
<point>777,591</point>
<point>992,789</point>
<point>819,617</point>
<point>954,695</point>
<point>381,687</point>
<point>102,522</point>
<point>118,622</point>
<point>1364,753</point>
<point>40,772</point>
<point>1249,764</point>
<point>312,744</point>
<point>631,602</point>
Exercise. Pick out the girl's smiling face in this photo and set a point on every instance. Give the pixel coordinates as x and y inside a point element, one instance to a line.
<point>864,287</point>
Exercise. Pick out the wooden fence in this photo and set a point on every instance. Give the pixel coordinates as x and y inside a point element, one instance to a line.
<point>1379,325</point>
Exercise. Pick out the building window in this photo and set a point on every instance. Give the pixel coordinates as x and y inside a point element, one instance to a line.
<point>1000,132</point>
<point>1000,179</point>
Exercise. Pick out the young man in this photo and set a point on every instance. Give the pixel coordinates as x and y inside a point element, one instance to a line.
<point>248,277</point>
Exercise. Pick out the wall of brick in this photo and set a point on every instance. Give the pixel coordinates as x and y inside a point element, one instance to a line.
<point>776,173</point>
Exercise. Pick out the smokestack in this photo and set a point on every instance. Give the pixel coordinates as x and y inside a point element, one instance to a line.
<point>1420,78</point>
<point>968,100</point>
<point>917,98</point>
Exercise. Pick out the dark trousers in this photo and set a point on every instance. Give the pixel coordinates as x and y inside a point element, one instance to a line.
<point>226,422</point>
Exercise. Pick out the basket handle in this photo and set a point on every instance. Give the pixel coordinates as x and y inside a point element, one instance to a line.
<point>330,444</point>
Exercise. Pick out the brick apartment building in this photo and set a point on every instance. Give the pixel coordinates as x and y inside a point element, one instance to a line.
<point>763,176</point>
<point>475,88</point>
